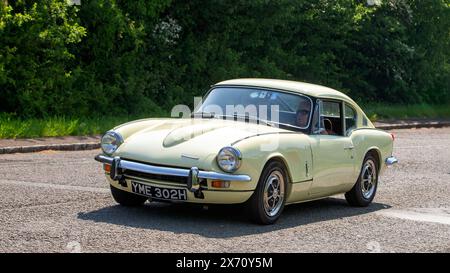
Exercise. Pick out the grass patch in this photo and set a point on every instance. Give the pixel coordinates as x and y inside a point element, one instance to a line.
<point>14,127</point>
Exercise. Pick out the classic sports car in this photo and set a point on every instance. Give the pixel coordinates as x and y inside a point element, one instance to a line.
<point>262,142</point>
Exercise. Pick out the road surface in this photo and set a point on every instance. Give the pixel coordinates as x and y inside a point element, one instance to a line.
<point>60,202</point>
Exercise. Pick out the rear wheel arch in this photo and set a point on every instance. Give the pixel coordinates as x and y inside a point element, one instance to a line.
<point>364,190</point>
<point>376,154</point>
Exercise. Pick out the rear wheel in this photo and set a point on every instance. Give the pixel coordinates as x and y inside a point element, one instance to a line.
<point>127,199</point>
<point>364,190</point>
<point>267,202</point>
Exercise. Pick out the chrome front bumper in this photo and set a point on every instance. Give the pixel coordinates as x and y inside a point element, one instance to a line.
<point>391,161</point>
<point>193,174</point>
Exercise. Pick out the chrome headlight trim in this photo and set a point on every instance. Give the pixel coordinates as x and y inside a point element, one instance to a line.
<point>110,142</point>
<point>229,159</point>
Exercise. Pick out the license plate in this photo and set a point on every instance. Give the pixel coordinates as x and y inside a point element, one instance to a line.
<point>158,192</point>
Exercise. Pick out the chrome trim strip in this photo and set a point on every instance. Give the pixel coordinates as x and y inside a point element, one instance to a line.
<point>303,181</point>
<point>104,159</point>
<point>189,157</point>
<point>391,161</point>
<point>147,168</point>
<point>263,134</point>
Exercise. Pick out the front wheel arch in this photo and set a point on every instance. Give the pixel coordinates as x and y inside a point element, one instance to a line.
<point>283,161</point>
<point>255,205</point>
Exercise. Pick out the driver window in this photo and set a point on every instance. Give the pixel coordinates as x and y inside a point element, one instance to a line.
<point>327,118</point>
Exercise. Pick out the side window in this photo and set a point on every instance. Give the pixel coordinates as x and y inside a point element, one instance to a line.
<point>350,119</point>
<point>328,121</point>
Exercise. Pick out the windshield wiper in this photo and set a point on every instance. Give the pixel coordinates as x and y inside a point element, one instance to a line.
<point>288,125</point>
<point>248,118</point>
<point>266,122</point>
<point>202,115</point>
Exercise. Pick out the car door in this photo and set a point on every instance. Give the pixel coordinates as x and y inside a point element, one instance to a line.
<point>332,150</point>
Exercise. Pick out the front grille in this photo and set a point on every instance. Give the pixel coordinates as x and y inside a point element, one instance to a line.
<point>167,178</point>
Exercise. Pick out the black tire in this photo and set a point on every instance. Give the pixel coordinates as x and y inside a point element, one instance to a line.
<point>127,199</point>
<point>359,195</point>
<point>255,206</point>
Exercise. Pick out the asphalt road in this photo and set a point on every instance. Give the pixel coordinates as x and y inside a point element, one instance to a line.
<point>60,202</point>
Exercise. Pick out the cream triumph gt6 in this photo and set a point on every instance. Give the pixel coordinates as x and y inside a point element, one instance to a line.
<point>265,143</point>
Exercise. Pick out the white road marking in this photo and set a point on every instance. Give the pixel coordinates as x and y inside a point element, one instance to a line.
<point>433,215</point>
<point>53,186</point>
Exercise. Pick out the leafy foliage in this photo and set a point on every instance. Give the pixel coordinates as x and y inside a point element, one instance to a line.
<point>142,57</point>
<point>35,57</point>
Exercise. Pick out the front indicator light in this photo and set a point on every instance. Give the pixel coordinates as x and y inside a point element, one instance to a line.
<point>220,184</point>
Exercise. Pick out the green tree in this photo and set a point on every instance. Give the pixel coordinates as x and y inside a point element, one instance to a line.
<point>35,61</point>
<point>429,34</point>
<point>116,58</point>
<point>133,57</point>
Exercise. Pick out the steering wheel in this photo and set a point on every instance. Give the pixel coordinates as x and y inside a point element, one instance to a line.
<point>329,123</point>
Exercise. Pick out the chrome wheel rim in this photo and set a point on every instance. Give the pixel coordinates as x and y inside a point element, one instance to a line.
<point>273,193</point>
<point>368,179</point>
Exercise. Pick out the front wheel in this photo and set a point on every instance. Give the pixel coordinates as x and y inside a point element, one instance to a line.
<point>267,202</point>
<point>127,199</point>
<point>362,194</point>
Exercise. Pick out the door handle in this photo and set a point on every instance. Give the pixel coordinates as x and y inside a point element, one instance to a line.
<point>349,147</point>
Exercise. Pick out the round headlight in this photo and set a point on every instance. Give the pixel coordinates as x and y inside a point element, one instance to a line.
<point>110,142</point>
<point>229,159</point>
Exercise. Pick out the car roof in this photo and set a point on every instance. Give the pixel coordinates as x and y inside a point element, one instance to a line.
<point>309,89</point>
<point>313,90</point>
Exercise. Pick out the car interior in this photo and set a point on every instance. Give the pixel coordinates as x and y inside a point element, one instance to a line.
<point>330,117</point>
<point>332,125</point>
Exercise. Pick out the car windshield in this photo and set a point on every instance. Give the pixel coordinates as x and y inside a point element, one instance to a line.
<point>275,108</point>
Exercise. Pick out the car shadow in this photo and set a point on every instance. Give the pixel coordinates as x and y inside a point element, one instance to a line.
<point>224,221</point>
